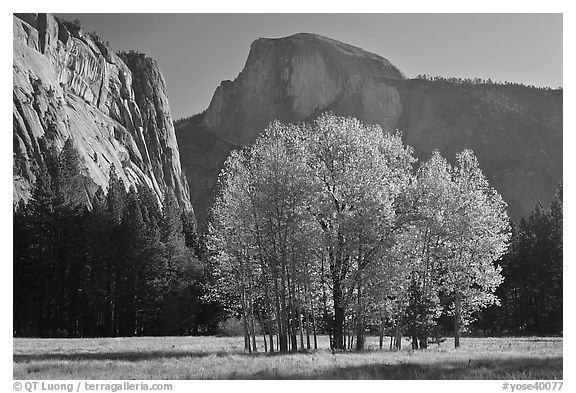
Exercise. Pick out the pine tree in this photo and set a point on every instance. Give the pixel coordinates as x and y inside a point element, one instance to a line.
<point>72,182</point>
<point>24,272</point>
<point>115,206</point>
<point>182,267</point>
<point>42,237</point>
<point>99,226</point>
<point>556,263</point>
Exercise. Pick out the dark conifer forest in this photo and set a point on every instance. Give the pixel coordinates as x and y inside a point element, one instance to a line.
<point>531,294</point>
<point>120,265</point>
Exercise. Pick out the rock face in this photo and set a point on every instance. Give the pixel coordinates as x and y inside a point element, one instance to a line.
<point>294,77</point>
<point>515,131</point>
<point>68,84</point>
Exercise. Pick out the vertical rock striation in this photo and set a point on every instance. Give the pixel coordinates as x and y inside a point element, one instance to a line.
<point>69,84</point>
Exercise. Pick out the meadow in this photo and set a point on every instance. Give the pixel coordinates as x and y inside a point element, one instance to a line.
<point>225,358</point>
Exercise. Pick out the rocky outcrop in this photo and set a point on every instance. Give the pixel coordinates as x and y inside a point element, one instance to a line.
<point>69,84</point>
<point>515,131</point>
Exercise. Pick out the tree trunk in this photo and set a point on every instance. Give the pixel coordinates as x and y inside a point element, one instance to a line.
<point>271,338</point>
<point>457,312</point>
<point>381,332</point>
<point>246,335</point>
<point>279,321</point>
<point>346,335</point>
<point>244,319</point>
<point>292,315</point>
<point>351,335</point>
<point>307,329</point>
<point>314,330</point>
<point>414,342</point>
<point>301,328</point>
<point>338,337</point>
<point>241,287</point>
<point>339,316</point>
<point>359,320</point>
<point>310,311</point>
<point>423,342</point>
<point>398,338</point>
<point>281,316</point>
<point>284,314</point>
<point>270,324</point>
<point>253,329</point>
<point>291,336</point>
<point>263,326</point>
<point>268,311</point>
<point>264,338</point>
<point>251,309</point>
<point>326,318</point>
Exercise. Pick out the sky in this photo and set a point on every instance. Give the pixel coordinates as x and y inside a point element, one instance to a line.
<point>197,51</point>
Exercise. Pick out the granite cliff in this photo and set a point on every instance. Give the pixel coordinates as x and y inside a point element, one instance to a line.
<point>515,131</point>
<point>294,77</point>
<point>69,84</point>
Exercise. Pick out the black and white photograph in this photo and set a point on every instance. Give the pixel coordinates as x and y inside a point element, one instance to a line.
<point>286,196</point>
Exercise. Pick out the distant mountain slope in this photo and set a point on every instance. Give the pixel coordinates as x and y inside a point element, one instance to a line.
<point>69,84</point>
<point>515,131</point>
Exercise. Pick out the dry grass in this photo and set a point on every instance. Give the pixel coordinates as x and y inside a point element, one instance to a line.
<point>225,358</point>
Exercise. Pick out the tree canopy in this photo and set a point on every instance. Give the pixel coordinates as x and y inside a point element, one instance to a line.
<point>330,218</point>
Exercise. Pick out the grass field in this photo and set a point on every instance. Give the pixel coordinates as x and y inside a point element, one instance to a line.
<point>225,358</point>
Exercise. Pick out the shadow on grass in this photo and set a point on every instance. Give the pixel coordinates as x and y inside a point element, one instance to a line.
<point>136,356</point>
<point>511,368</point>
<point>545,340</point>
<point>489,368</point>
